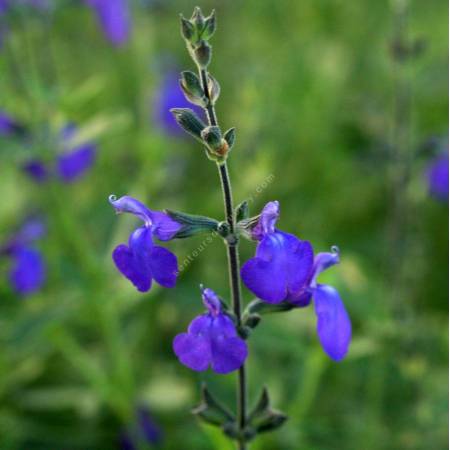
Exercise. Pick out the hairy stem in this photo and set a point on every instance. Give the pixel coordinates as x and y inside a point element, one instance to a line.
<point>233,262</point>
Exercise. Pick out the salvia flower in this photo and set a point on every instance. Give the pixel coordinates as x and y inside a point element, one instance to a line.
<point>141,261</point>
<point>144,430</point>
<point>8,125</point>
<point>170,96</point>
<point>285,270</point>
<point>70,165</point>
<point>114,19</point>
<point>437,176</point>
<point>211,340</point>
<point>28,272</point>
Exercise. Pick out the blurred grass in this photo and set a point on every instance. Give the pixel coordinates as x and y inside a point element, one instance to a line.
<point>310,87</point>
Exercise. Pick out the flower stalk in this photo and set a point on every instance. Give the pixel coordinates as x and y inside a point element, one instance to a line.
<point>233,260</point>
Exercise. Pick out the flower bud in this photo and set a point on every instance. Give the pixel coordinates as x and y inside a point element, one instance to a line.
<point>198,20</point>
<point>202,54</point>
<point>187,29</point>
<point>192,89</point>
<point>212,137</point>
<point>189,122</point>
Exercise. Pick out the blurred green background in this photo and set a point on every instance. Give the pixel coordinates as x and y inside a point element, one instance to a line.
<point>334,120</point>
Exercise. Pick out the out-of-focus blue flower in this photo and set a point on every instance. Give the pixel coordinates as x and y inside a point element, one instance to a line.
<point>8,125</point>
<point>141,261</point>
<point>144,430</point>
<point>70,165</point>
<point>437,176</point>
<point>114,18</point>
<point>211,340</point>
<point>168,96</point>
<point>36,170</point>
<point>284,269</point>
<point>28,272</point>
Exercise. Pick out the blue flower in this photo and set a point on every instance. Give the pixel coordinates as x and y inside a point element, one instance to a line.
<point>144,430</point>
<point>284,269</point>
<point>8,125</point>
<point>211,340</point>
<point>114,18</point>
<point>141,261</point>
<point>282,262</point>
<point>437,176</point>
<point>70,165</point>
<point>28,271</point>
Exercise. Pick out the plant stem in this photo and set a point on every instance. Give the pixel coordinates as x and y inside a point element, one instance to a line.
<point>233,262</point>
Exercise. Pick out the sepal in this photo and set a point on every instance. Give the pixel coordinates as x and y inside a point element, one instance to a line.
<point>230,137</point>
<point>242,211</point>
<point>245,227</point>
<point>255,309</point>
<point>213,89</point>
<point>211,411</point>
<point>192,224</point>
<point>263,418</point>
<point>210,26</point>
<point>260,307</point>
<point>187,29</point>
<point>189,122</point>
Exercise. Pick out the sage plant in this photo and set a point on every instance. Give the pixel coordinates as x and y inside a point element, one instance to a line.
<point>283,274</point>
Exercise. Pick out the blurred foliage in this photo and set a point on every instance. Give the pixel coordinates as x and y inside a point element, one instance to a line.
<point>311,86</point>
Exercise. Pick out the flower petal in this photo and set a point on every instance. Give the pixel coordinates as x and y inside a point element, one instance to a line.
<point>267,220</point>
<point>28,272</point>
<point>228,354</point>
<point>164,227</point>
<point>194,351</point>
<point>126,263</point>
<point>36,170</point>
<point>127,204</point>
<point>212,302</point>
<point>164,266</point>
<point>281,266</point>
<point>114,19</point>
<point>72,165</point>
<point>333,323</point>
<point>323,261</point>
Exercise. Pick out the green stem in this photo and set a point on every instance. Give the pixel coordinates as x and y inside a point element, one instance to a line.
<point>233,263</point>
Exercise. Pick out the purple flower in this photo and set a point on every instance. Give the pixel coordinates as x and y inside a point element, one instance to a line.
<point>285,269</point>
<point>282,263</point>
<point>70,165</point>
<point>36,170</point>
<point>73,164</point>
<point>28,273</point>
<point>211,340</point>
<point>8,125</point>
<point>114,19</point>
<point>141,261</point>
<point>144,430</point>
<point>170,96</point>
<point>437,176</point>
